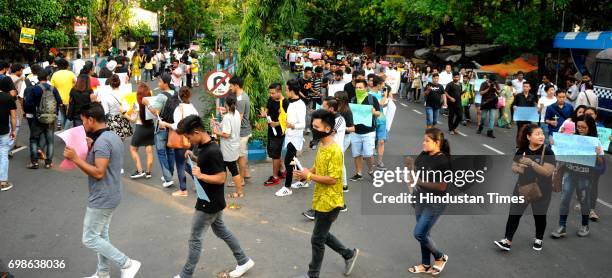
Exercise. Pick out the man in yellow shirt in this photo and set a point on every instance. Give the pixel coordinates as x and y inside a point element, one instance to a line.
<point>328,196</point>
<point>63,81</point>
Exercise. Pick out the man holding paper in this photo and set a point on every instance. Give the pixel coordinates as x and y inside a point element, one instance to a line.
<point>524,99</point>
<point>103,166</point>
<point>362,142</point>
<point>210,172</point>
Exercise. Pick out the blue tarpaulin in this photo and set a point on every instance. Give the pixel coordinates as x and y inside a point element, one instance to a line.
<point>583,40</point>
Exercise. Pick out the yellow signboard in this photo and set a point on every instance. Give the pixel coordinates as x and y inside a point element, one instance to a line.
<point>27,35</point>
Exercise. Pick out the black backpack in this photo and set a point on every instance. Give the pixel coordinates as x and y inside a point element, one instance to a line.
<point>167,112</point>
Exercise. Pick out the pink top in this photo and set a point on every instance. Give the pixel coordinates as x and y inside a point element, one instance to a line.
<point>569,127</point>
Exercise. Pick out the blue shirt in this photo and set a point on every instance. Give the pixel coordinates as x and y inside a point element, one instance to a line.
<point>561,113</point>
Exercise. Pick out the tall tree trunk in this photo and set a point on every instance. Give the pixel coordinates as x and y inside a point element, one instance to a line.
<point>541,42</point>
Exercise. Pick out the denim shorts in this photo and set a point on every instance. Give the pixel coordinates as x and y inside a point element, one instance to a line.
<point>363,144</point>
<point>381,131</point>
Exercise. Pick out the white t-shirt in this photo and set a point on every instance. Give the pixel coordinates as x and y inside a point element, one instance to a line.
<point>445,78</point>
<point>347,78</point>
<point>77,65</point>
<point>292,56</point>
<point>340,128</point>
<point>518,85</point>
<point>182,111</point>
<point>296,115</point>
<point>541,92</point>
<point>112,102</point>
<point>588,98</point>
<point>230,146</point>
<point>546,102</point>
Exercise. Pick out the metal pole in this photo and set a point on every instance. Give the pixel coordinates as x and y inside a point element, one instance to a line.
<point>158,31</point>
<point>90,44</point>
<point>559,50</point>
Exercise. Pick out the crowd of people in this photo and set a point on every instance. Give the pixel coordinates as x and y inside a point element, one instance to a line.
<point>318,102</point>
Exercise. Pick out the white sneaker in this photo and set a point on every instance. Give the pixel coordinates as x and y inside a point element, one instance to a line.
<point>122,171</point>
<point>99,275</point>
<point>167,184</point>
<point>297,184</point>
<point>177,276</point>
<point>242,269</point>
<point>130,271</point>
<point>284,191</point>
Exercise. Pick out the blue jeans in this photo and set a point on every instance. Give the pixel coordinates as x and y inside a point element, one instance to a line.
<point>582,185</point>
<point>200,223</point>
<point>63,118</point>
<point>95,237</point>
<point>426,217</point>
<point>490,114</point>
<point>179,157</point>
<point>5,146</point>
<point>431,115</point>
<point>165,155</point>
<point>546,130</point>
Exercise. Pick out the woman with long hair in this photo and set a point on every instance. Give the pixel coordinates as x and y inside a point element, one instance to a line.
<point>345,110</point>
<point>579,178</point>
<point>434,157</point>
<point>184,109</point>
<point>80,95</point>
<point>144,133</point>
<point>229,133</point>
<point>534,162</point>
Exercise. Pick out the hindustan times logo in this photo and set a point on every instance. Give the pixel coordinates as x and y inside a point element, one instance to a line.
<point>404,175</point>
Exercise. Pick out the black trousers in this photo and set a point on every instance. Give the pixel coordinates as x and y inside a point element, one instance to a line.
<point>321,237</point>
<point>539,209</point>
<point>291,152</point>
<point>454,116</point>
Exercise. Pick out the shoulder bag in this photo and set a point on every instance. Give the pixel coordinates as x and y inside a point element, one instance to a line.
<point>175,140</point>
<point>531,191</point>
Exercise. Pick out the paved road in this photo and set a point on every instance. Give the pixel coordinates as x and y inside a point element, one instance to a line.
<point>42,217</point>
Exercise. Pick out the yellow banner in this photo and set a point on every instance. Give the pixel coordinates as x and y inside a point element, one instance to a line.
<point>27,35</point>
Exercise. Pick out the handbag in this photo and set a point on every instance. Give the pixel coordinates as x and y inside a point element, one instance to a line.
<point>119,124</point>
<point>501,102</point>
<point>531,191</point>
<point>177,141</point>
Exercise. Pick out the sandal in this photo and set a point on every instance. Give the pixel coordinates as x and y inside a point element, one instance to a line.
<point>438,268</point>
<point>419,269</point>
<point>235,195</point>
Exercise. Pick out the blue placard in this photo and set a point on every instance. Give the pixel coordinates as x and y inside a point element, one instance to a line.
<point>604,137</point>
<point>199,189</point>
<point>526,114</point>
<point>575,148</point>
<point>362,114</point>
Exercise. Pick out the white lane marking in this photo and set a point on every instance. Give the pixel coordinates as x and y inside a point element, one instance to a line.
<point>604,203</point>
<point>417,111</point>
<point>156,89</point>
<point>403,104</point>
<point>493,149</point>
<point>462,134</point>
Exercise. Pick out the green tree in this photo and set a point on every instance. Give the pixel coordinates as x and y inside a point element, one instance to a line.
<point>110,15</point>
<point>140,32</point>
<point>52,20</point>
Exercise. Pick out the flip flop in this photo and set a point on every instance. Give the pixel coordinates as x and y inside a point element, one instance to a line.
<point>438,269</point>
<point>416,269</point>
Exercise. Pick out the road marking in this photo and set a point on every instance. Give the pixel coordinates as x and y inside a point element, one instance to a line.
<point>13,152</point>
<point>493,149</point>
<point>403,104</point>
<point>604,203</point>
<point>462,134</point>
<point>156,89</point>
<point>417,111</point>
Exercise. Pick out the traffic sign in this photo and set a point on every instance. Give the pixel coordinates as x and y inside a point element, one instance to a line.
<point>170,33</point>
<point>27,35</point>
<point>217,83</point>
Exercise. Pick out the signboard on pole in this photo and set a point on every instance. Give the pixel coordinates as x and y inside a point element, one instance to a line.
<point>170,33</point>
<point>217,83</point>
<point>27,35</point>
<point>80,26</point>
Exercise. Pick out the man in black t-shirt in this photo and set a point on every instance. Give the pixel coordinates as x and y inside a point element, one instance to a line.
<point>453,97</point>
<point>434,97</point>
<point>306,91</point>
<point>210,173</point>
<point>524,99</point>
<point>276,135</point>
<point>8,128</point>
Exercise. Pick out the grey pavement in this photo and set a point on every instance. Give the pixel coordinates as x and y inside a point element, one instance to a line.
<point>42,218</point>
